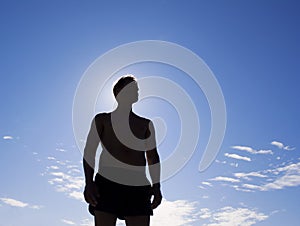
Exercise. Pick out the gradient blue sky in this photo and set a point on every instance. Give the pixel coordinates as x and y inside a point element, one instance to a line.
<point>251,46</point>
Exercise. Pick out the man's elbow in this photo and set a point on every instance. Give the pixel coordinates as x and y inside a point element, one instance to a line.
<point>153,159</point>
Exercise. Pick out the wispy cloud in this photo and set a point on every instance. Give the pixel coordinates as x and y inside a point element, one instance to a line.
<point>54,167</point>
<point>76,195</point>
<point>289,176</point>
<point>226,179</point>
<point>61,149</point>
<point>277,144</point>
<point>272,179</point>
<point>280,145</point>
<point>235,156</point>
<point>65,177</point>
<point>251,150</point>
<point>250,174</point>
<point>206,183</point>
<point>51,158</point>
<point>175,213</point>
<point>68,222</point>
<point>14,202</point>
<point>252,186</point>
<point>68,184</point>
<point>87,222</point>
<point>222,162</point>
<point>17,203</point>
<point>232,216</point>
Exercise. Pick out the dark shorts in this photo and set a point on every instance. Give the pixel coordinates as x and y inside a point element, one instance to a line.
<point>122,200</point>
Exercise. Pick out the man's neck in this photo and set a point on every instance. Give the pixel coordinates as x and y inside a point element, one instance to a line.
<point>124,109</point>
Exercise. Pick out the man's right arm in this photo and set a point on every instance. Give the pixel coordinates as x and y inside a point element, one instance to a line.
<point>92,142</point>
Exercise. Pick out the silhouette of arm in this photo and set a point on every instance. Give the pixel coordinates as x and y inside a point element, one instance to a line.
<point>90,149</point>
<point>90,192</point>
<point>154,165</point>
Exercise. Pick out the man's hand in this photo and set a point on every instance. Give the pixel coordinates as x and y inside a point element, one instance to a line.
<point>157,197</point>
<point>91,194</point>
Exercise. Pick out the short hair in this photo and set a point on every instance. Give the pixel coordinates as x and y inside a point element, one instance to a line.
<point>122,82</point>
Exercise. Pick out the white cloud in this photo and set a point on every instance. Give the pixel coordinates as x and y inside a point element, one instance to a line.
<point>277,144</point>
<point>7,137</point>
<point>252,187</point>
<point>251,174</point>
<point>235,156</point>
<point>290,177</point>
<point>226,179</point>
<point>71,185</point>
<point>206,183</point>
<point>222,162</point>
<point>77,195</point>
<point>50,158</point>
<point>17,203</point>
<point>13,202</point>
<point>274,178</point>
<point>70,182</point>
<point>205,213</point>
<point>72,166</point>
<point>61,149</point>
<point>243,148</point>
<point>265,152</point>
<point>67,222</point>
<point>281,146</point>
<point>175,213</point>
<point>87,222</point>
<point>61,162</point>
<point>239,188</point>
<point>230,216</point>
<point>54,167</point>
<point>37,207</point>
<point>234,164</point>
<point>286,176</point>
<point>288,148</point>
<point>251,150</point>
<point>74,171</point>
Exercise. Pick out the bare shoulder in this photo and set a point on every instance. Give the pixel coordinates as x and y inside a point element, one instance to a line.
<point>101,118</point>
<point>142,120</point>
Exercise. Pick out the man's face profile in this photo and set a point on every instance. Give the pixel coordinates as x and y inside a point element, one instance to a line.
<point>128,94</point>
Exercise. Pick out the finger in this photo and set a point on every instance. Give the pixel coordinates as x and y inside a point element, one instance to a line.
<point>154,205</point>
<point>156,202</point>
<point>93,203</point>
<point>94,200</point>
<point>91,199</point>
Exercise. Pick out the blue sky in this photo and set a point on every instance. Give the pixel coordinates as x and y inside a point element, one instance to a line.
<point>251,46</point>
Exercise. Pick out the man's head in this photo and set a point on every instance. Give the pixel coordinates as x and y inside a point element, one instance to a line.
<point>126,89</point>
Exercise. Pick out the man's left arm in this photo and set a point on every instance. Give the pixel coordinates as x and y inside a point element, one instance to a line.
<point>154,165</point>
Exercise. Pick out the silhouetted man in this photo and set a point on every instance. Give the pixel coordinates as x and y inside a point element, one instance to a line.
<point>120,188</point>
